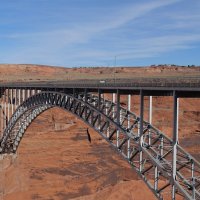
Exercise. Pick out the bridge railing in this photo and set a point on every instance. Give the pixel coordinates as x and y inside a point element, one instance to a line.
<point>169,82</point>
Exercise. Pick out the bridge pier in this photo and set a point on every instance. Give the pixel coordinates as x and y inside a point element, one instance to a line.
<point>129,109</point>
<point>175,141</point>
<point>113,100</point>
<point>150,115</point>
<point>19,95</point>
<point>12,107</point>
<point>128,123</point>
<point>1,111</point>
<point>99,107</point>
<point>118,115</point>
<point>15,99</point>
<point>5,110</point>
<point>141,128</point>
<point>23,95</point>
<point>9,103</point>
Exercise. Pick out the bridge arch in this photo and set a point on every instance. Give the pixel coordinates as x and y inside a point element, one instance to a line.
<point>35,105</point>
<point>150,158</point>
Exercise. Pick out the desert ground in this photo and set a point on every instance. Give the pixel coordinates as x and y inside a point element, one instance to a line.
<point>13,73</point>
<point>55,161</point>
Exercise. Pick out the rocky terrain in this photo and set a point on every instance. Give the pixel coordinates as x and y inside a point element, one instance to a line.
<point>20,73</point>
<point>55,160</point>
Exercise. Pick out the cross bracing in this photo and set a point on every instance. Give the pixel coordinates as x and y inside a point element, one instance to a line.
<point>164,166</point>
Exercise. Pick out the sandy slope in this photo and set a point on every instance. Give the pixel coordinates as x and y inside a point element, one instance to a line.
<point>39,73</point>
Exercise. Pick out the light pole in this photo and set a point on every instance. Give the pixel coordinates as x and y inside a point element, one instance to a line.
<point>115,61</point>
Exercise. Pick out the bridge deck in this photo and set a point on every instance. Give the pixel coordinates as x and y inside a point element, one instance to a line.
<point>185,87</point>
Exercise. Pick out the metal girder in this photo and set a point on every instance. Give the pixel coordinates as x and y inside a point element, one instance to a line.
<point>152,159</point>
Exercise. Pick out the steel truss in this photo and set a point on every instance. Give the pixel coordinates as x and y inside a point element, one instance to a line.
<point>147,150</point>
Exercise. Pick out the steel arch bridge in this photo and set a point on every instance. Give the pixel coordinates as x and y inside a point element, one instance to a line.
<point>160,161</point>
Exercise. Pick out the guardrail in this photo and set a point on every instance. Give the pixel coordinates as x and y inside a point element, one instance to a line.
<point>189,82</point>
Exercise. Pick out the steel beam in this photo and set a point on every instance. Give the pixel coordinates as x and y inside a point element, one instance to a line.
<point>23,95</point>
<point>113,100</point>
<point>99,108</point>
<point>19,95</point>
<point>150,117</point>
<point>129,109</point>
<point>150,109</point>
<point>156,178</point>
<point>74,95</point>
<point>141,127</point>
<point>5,108</point>
<point>177,120</point>
<point>118,115</point>
<point>15,99</point>
<point>9,103</point>
<point>147,156</point>
<point>1,111</point>
<point>175,142</point>
<point>128,142</point>
<point>108,129</point>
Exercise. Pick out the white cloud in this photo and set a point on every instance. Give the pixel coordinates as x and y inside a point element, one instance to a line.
<point>134,11</point>
<point>180,20</point>
<point>86,30</point>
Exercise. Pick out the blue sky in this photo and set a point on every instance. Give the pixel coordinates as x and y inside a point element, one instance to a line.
<point>76,33</point>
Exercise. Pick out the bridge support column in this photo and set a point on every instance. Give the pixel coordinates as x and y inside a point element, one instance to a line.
<point>113,100</point>
<point>28,93</point>
<point>15,98</point>
<point>9,103</point>
<point>85,96</point>
<point>23,95</point>
<point>108,129</point>
<point>150,116</point>
<point>141,127</point>
<point>12,101</point>
<point>129,109</point>
<point>0,112</point>
<point>19,95</point>
<point>177,117</point>
<point>99,108</point>
<point>138,131</point>
<point>4,110</point>
<point>175,140</point>
<point>118,115</point>
<point>128,143</point>
<point>33,91</point>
